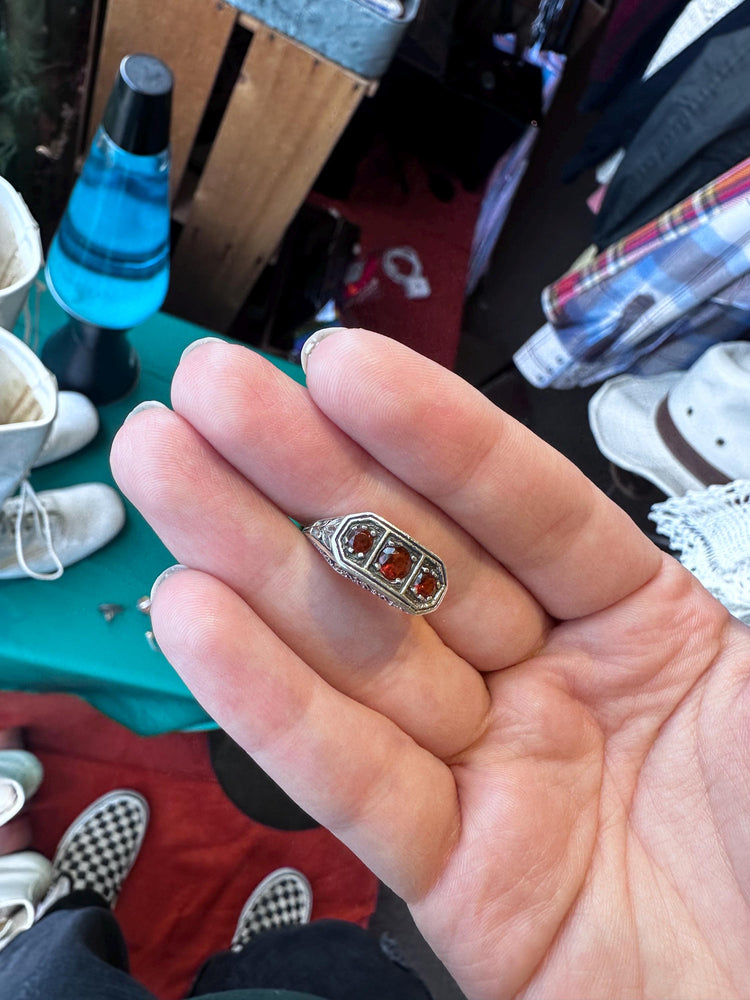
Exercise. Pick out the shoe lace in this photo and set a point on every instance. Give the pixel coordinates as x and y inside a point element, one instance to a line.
<point>36,510</point>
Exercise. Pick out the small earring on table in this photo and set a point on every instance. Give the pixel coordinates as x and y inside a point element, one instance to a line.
<point>144,605</point>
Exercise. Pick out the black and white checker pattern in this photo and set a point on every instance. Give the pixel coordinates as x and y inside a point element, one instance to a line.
<point>101,845</point>
<point>282,899</point>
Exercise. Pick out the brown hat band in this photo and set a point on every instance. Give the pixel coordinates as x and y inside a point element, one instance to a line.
<point>685,454</point>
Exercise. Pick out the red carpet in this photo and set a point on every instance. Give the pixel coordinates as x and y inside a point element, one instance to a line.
<point>201,857</point>
<point>440,232</point>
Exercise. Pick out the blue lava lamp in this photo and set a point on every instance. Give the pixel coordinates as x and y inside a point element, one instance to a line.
<point>108,263</point>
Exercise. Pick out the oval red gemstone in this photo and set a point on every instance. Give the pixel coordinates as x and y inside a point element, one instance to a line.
<point>426,585</point>
<point>394,562</point>
<point>361,542</point>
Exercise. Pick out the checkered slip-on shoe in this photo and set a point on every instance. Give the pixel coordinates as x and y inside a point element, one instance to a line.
<point>282,899</point>
<point>99,848</point>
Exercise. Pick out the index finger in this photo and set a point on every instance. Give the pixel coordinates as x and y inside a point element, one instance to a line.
<point>572,547</point>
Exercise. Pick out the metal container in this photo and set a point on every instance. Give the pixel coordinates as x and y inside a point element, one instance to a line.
<point>348,32</point>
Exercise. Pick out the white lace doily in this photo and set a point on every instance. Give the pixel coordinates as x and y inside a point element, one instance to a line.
<point>711,531</point>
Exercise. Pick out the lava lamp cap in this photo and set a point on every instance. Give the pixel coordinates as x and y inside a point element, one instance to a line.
<point>138,112</point>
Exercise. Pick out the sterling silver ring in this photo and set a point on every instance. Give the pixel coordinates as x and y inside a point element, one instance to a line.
<point>380,557</point>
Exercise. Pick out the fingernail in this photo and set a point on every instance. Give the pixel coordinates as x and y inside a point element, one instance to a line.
<point>197,343</point>
<point>312,342</point>
<point>169,571</point>
<point>147,404</point>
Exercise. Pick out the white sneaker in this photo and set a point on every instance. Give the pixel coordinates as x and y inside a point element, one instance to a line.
<point>41,533</point>
<point>74,426</point>
<point>20,776</point>
<point>24,879</point>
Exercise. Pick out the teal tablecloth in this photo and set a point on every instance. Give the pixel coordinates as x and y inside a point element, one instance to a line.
<point>52,636</point>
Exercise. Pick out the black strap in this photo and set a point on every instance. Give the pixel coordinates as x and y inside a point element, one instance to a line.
<point>685,454</point>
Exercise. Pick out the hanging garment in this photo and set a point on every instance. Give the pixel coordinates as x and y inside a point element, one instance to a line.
<point>509,171</point>
<point>673,347</point>
<point>694,21</point>
<point>618,218</point>
<point>625,116</point>
<point>693,286</point>
<point>703,122</point>
<point>634,33</point>
<point>696,210</point>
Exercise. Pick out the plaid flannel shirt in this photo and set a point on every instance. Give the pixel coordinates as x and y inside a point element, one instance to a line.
<point>655,300</point>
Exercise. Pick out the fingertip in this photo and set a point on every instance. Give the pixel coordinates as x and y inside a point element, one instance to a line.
<point>199,343</point>
<point>164,575</point>
<point>317,338</point>
<point>147,404</point>
<point>125,448</point>
<point>204,357</point>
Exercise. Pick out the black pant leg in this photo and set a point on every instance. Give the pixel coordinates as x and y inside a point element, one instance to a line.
<point>328,958</point>
<point>70,954</point>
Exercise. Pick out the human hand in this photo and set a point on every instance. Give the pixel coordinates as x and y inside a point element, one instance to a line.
<point>552,768</point>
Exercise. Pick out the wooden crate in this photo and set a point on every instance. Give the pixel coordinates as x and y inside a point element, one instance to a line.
<point>287,109</point>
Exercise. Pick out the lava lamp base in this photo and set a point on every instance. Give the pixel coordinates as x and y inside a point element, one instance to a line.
<point>94,360</point>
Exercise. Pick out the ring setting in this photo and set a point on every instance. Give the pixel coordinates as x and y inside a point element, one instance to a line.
<point>380,557</point>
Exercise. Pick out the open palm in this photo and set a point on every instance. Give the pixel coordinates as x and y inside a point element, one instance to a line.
<point>552,769</point>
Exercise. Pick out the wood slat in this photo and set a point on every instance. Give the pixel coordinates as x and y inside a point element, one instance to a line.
<point>288,108</point>
<point>253,23</point>
<point>190,36</point>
